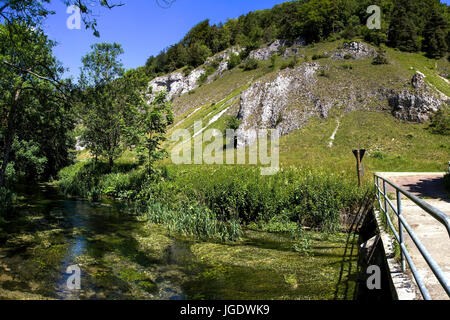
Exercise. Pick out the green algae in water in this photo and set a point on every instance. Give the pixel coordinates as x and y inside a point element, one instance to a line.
<point>123,258</point>
<point>257,268</point>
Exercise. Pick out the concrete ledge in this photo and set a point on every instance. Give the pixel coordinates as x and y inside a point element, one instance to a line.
<point>403,283</point>
<point>409,174</point>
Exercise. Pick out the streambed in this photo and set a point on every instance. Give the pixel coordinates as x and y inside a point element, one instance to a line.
<point>121,257</point>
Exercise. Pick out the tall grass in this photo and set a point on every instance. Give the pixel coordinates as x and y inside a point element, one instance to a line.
<point>311,198</point>
<point>193,219</point>
<point>214,201</point>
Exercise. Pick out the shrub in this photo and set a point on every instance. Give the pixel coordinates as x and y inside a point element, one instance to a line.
<point>440,122</point>
<point>380,59</point>
<point>187,70</point>
<point>347,66</point>
<point>202,79</point>
<point>378,155</point>
<point>82,179</point>
<point>193,219</point>
<point>209,70</point>
<point>312,199</point>
<point>291,63</point>
<point>273,61</point>
<point>234,61</point>
<point>250,64</point>
<point>232,123</point>
<point>319,56</point>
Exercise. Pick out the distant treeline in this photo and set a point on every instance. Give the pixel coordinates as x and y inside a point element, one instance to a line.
<point>409,25</point>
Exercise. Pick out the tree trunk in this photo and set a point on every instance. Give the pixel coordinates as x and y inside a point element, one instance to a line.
<point>111,163</point>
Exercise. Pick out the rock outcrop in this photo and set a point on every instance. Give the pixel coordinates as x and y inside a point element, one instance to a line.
<point>417,104</point>
<point>224,58</point>
<point>267,105</point>
<point>354,50</point>
<point>176,84</point>
<point>266,52</point>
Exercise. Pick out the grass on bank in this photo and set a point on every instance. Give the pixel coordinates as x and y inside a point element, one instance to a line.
<point>391,144</point>
<point>218,201</point>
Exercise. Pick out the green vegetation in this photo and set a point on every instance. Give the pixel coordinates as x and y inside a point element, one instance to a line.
<point>440,122</point>
<point>319,56</point>
<point>250,64</point>
<point>409,25</point>
<point>32,110</point>
<point>234,61</point>
<point>380,58</point>
<point>209,202</point>
<point>114,113</point>
<point>127,259</point>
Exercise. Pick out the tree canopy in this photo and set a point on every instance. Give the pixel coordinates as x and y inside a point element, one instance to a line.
<point>409,25</point>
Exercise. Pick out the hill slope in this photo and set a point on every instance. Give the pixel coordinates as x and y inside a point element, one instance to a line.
<point>383,108</point>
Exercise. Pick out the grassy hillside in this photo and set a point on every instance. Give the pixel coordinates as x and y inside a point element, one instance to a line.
<point>392,144</point>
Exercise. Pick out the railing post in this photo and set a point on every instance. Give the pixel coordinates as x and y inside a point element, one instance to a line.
<point>376,184</point>
<point>400,228</point>
<point>385,202</point>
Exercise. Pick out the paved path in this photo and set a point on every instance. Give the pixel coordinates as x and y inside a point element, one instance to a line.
<point>428,187</point>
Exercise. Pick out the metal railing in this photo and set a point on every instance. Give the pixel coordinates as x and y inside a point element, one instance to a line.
<point>384,203</point>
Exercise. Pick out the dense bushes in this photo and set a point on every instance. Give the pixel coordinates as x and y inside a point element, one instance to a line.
<point>196,196</point>
<point>92,180</point>
<point>234,61</point>
<point>250,64</point>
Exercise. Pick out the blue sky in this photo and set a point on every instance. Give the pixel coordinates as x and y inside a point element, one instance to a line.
<point>141,26</point>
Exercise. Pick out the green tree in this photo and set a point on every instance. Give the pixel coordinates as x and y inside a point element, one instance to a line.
<point>198,53</point>
<point>33,100</point>
<point>380,57</point>
<point>402,32</point>
<point>435,33</point>
<point>101,111</point>
<point>32,12</point>
<point>150,128</point>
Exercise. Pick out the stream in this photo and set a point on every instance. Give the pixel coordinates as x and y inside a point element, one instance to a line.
<point>122,257</point>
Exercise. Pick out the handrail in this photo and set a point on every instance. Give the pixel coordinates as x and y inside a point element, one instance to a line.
<point>402,223</point>
<point>434,212</point>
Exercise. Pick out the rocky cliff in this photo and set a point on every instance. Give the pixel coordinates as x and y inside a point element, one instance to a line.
<point>418,103</point>
<point>177,83</point>
<point>267,105</point>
